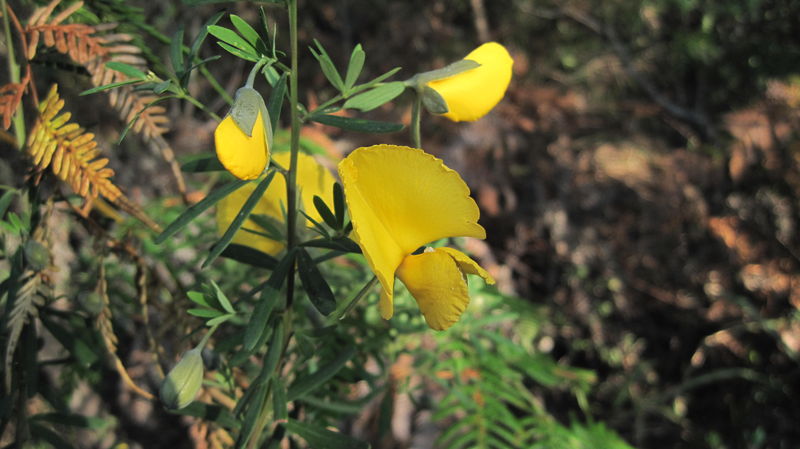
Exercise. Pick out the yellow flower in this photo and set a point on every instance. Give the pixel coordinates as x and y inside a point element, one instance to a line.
<point>312,179</point>
<point>472,94</point>
<point>400,199</point>
<point>244,154</point>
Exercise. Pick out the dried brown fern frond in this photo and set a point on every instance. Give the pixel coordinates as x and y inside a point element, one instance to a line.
<point>10,99</point>
<point>93,47</point>
<point>71,154</point>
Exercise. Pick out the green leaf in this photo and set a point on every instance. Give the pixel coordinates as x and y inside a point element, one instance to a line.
<point>354,67</point>
<point>204,313</point>
<point>126,69</point>
<point>339,244</point>
<point>252,57</point>
<point>327,66</point>
<point>376,97</point>
<point>43,433</point>
<point>304,385</point>
<point>325,212</point>
<point>201,36</point>
<point>339,205</point>
<point>250,256</point>
<point>237,222</point>
<point>317,288</point>
<point>433,101</point>
<point>5,201</point>
<point>275,101</point>
<point>320,437</point>
<point>245,29</point>
<point>203,164</point>
<point>357,124</point>
<point>445,72</point>
<point>220,319</point>
<point>221,298</point>
<point>198,298</point>
<point>279,399</point>
<point>72,420</point>
<point>176,52</point>
<point>267,302</point>
<point>196,209</point>
<point>232,38</point>
<point>97,89</point>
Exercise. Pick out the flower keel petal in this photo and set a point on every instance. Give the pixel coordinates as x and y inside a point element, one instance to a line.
<point>468,265</point>
<point>438,285</point>
<point>243,156</point>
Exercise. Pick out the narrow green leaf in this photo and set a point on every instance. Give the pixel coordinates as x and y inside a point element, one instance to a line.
<point>320,437</point>
<point>161,87</point>
<point>327,66</point>
<point>343,244</point>
<point>237,222</point>
<point>196,209</point>
<point>252,57</point>
<point>221,298</point>
<point>72,420</point>
<point>275,101</point>
<point>245,29</point>
<point>279,399</point>
<point>201,36</point>
<point>204,313</point>
<point>97,89</point>
<point>202,164</point>
<point>52,438</point>
<point>325,212</point>
<point>304,385</point>
<point>249,256</point>
<point>232,38</point>
<point>220,319</point>
<point>376,97</point>
<point>357,124</point>
<point>375,81</point>
<point>126,69</point>
<point>317,288</point>
<point>266,303</point>
<point>176,52</point>
<point>5,201</point>
<point>354,67</point>
<point>339,205</point>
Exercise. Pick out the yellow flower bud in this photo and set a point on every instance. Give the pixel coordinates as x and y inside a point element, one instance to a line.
<point>243,138</point>
<point>471,94</point>
<point>184,381</point>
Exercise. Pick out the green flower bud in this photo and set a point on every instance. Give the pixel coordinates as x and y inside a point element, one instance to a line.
<point>184,381</point>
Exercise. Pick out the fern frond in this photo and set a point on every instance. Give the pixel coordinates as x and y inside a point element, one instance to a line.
<point>93,47</point>
<point>69,151</point>
<point>106,329</point>
<point>29,298</point>
<point>10,99</point>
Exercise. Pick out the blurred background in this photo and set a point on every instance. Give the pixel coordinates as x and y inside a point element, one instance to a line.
<point>639,186</point>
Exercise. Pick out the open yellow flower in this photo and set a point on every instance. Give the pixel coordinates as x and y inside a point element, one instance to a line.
<point>472,94</point>
<point>242,138</point>
<point>400,199</point>
<point>312,179</point>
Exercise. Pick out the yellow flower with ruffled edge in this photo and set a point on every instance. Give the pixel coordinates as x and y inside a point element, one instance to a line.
<point>312,179</point>
<point>471,94</point>
<point>399,199</point>
<point>244,136</point>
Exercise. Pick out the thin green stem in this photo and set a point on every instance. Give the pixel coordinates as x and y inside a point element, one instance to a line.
<point>251,78</point>
<point>341,312</point>
<point>291,181</point>
<point>13,74</point>
<point>188,97</point>
<point>416,113</point>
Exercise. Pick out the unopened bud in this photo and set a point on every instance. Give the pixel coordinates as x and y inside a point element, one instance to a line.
<point>184,381</point>
<point>37,255</point>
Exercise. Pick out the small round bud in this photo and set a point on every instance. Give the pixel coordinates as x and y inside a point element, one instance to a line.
<point>37,255</point>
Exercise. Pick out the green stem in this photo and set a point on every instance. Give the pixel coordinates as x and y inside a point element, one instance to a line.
<point>13,73</point>
<point>341,312</point>
<point>188,97</point>
<point>251,78</point>
<point>416,113</point>
<point>291,181</point>
<point>206,337</point>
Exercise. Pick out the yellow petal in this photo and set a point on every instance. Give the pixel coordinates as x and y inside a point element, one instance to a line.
<point>468,265</point>
<point>472,94</point>
<point>312,179</point>
<point>401,198</point>
<point>436,282</point>
<point>243,156</point>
